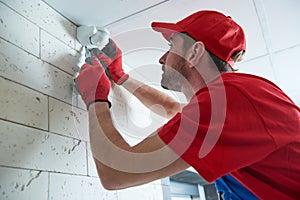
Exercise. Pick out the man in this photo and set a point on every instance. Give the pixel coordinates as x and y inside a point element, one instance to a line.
<point>234,124</point>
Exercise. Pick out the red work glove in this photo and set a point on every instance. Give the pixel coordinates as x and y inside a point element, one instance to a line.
<point>111,55</point>
<point>93,84</point>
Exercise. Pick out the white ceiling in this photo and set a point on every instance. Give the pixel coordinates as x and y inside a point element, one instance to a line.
<point>100,12</point>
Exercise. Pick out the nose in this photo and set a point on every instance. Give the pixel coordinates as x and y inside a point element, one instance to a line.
<point>162,59</point>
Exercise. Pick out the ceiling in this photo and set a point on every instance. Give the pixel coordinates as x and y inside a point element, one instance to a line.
<point>100,12</point>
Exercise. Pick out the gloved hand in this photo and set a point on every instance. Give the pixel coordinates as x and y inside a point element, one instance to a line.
<point>93,84</point>
<point>111,55</point>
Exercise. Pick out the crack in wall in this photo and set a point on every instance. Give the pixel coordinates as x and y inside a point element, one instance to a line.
<point>35,177</point>
<point>73,148</point>
<point>29,181</point>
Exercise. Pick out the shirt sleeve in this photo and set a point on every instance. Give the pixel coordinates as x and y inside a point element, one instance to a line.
<point>217,135</point>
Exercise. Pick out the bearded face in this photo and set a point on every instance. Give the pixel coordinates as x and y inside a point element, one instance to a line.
<point>174,72</point>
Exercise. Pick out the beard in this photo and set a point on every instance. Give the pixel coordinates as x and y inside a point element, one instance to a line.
<point>174,76</point>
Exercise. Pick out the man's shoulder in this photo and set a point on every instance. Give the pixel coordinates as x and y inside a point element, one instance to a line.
<point>247,82</point>
<point>237,76</point>
<point>241,81</point>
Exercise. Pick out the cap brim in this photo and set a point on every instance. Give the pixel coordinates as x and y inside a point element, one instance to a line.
<point>166,29</point>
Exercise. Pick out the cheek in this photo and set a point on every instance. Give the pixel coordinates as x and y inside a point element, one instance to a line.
<point>173,58</point>
<point>177,52</point>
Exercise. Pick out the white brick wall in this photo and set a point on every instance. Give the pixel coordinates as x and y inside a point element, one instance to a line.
<point>44,147</point>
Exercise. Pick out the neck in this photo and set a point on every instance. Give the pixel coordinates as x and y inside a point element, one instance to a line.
<point>198,80</point>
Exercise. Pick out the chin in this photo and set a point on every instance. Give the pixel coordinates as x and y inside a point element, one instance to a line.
<point>164,87</point>
<point>170,88</point>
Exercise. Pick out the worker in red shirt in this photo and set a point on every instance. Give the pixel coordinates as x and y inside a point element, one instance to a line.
<point>233,124</point>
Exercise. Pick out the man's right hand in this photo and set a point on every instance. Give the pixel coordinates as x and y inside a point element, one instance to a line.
<point>111,55</point>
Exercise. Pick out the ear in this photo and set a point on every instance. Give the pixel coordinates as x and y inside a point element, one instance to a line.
<point>196,53</point>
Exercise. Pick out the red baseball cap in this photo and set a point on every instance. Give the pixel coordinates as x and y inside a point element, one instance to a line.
<point>220,34</point>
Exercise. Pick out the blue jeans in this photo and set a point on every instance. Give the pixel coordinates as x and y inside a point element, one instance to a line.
<point>230,189</point>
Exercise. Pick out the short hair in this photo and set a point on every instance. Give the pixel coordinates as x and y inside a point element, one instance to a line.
<point>221,64</point>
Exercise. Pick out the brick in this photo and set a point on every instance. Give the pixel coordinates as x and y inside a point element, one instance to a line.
<point>23,105</point>
<point>68,120</point>
<point>18,30</point>
<point>57,53</point>
<point>23,184</point>
<point>34,149</point>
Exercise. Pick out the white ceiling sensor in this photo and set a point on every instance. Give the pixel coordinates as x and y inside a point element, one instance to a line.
<point>100,12</point>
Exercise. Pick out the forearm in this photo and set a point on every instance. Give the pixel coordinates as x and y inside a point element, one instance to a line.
<point>155,100</point>
<point>106,142</point>
<point>121,166</point>
<point>103,134</point>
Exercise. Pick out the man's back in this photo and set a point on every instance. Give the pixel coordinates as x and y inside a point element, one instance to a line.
<point>279,170</point>
<point>259,144</point>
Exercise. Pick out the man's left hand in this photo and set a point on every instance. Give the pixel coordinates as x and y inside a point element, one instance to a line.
<point>93,83</point>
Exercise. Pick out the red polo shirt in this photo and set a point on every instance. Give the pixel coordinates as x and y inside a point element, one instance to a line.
<point>243,125</point>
